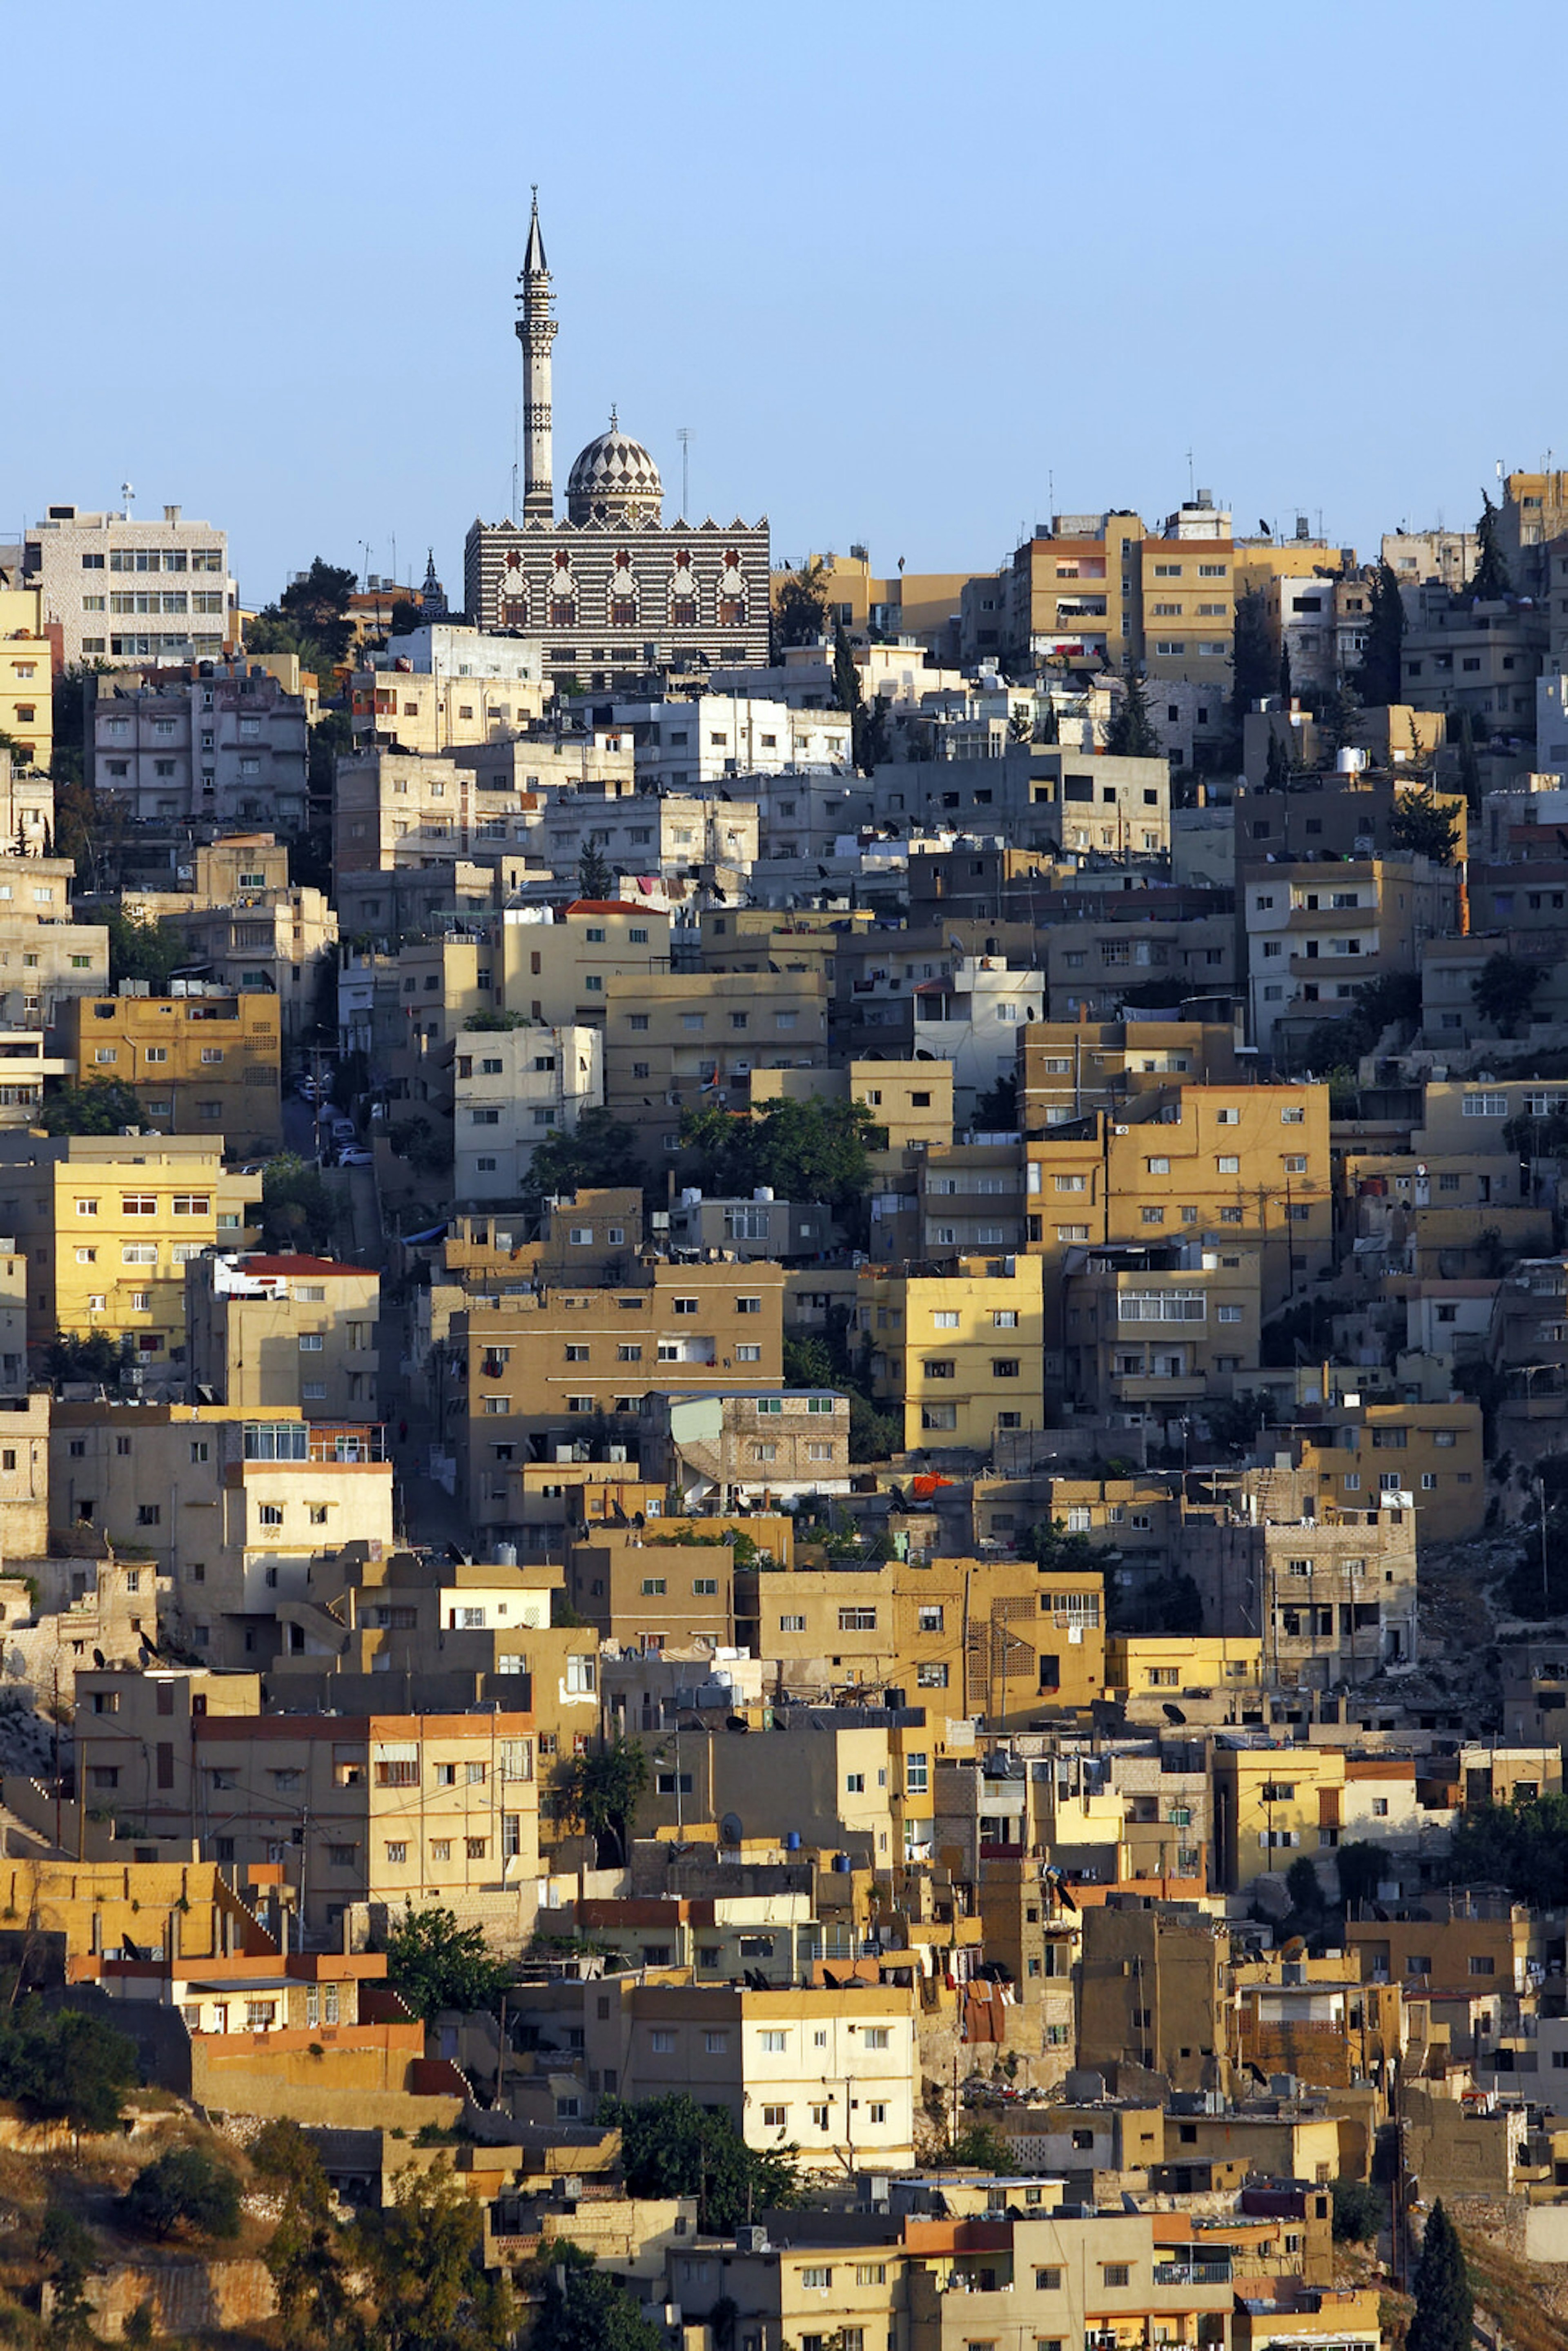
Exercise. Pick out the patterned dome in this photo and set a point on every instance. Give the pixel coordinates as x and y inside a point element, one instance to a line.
<point>614,480</point>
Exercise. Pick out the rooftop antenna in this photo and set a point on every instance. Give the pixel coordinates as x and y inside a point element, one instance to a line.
<point>127,492</point>
<point>1191,480</point>
<point>684,435</point>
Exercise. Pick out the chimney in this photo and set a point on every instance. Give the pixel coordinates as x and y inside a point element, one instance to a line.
<point>171,514</point>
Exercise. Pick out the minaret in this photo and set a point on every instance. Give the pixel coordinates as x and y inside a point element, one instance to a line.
<point>536,332</point>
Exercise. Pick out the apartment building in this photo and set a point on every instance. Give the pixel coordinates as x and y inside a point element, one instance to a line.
<point>375,1808</point>
<point>108,1225</point>
<point>558,1367</point>
<point>829,2071</point>
<point>282,945</point>
<point>687,1040</point>
<point>911,1102</point>
<point>394,808</point>
<point>960,1350</point>
<point>1328,1585</point>
<point>27,679</point>
<point>673,833</point>
<point>1099,2279</point>
<point>1094,968</point>
<point>512,1090</point>
<point>231,1507</point>
<point>556,963</point>
<point>443,686</point>
<point>1431,1457</point>
<point>972,1018</point>
<point>648,1593</point>
<point>1067,1068</point>
<point>1187,593</point>
<point>201,1063</point>
<point>1270,1805</point>
<point>714,737</point>
<point>1317,935</point>
<point>1479,657</point>
<point>1074,591</point>
<point>1154,1331</point>
<point>226,746</point>
<point>122,588</point>
<point>290,1331</point>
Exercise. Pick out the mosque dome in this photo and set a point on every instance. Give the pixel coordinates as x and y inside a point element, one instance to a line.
<point>614,480</point>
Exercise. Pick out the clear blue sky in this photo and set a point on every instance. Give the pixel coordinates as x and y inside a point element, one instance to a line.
<point>894,267</point>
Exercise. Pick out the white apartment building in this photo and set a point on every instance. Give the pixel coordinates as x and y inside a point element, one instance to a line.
<point>125,590</point>
<point>442,686</point>
<point>807,813</point>
<point>512,1090</point>
<point>714,737</point>
<point>230,746</point>
<point>645,833</point>
<point>973,1018</point>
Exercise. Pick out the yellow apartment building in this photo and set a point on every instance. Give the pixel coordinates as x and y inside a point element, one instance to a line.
<point>763,938</point>
<point>690,1041</point>
<point>108,1225</point>
<point>26,677</point>
<point>202,1065</point>
<point>911,1100</point>
<point>545,1370</point>
<point>232,1508</point>
<point>1068,1068</point>
<point>378,1808</point>
<point>560,971</point>
<point>648,1593</point>
<point>1144,1665</point>
<point>1272,1805</point>
<point>289,1330</point>
<point>961,1350</point>
<point>1187,590</point>
<point>1434,1454</point>
<point>1079,589</point>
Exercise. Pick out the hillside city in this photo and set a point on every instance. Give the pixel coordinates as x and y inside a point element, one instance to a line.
<point>784,1431</point>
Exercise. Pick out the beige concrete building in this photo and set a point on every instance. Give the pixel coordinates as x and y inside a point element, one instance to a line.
<point>1153,1332</point>
<point>512,1090</point>
<point>202,1065</point>
<point>960,1349</point>
<point>123,587</point>
<point>829,2070</point>
<point>27,679</point>
<point>1316,936</point>
<point>556,965</point>
<point>687,1040</point>
<point>232,1508</point>
<point>432,712</point>
<point>376,1809</point>
<point>283,1331</point>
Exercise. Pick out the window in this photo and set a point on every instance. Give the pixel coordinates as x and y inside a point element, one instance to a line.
<point>774,2117</point>
<point>774,2042</point>
<point>716,2043</point>
<point>1115,2273</point>
<point>857,1620</point>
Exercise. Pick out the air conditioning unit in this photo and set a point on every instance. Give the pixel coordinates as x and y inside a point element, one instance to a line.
<point>1121,1130</point>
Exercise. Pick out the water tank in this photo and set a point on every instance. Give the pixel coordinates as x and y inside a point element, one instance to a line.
<point>1349,762</point>
<point>506,1554</point>
<point>843,1863</point>
<point>763,1193</point>
<point>791,1840</point>
<point>691,1197</point>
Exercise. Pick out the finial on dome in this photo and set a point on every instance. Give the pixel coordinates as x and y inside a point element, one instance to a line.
<point>614,418</point>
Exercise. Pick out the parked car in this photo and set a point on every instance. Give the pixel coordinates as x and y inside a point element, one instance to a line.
<point>344,1131</point>
<point>354,1154</point>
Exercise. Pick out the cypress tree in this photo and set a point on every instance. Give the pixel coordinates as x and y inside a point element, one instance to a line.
<point>1130,734</point>
<point>1287,688</point>
<point>1490,577</point>
<point>1445,2308</point>
<point>1382,670</point>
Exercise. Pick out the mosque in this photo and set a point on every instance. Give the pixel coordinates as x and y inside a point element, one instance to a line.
<point>612,592</point>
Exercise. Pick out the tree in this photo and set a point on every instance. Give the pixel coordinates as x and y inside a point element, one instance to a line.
<point>603,1791</point>
<point>1130,734</point>
<point>1234,1421</point>
<point>434,1963</point>
<point>672,2147</point>
<point>1469,765</point>
<point>1489,578</point>
<point>1055,1550</point>
<point>1286,687</point>
<point>1251,655</point>
<point>65,2064</point>
<point>304,2254</point>
<point>1337,714</point>
<point>184,2187</point>
<point>1361,1866</point>
<point>98,1356</point>
<point>587,2311</point>
<point>1423,826</point>
<point>298,1211</point>
<point>800,606</point>
<point>1444,2316</point>
<point>813,1150</point>
<point>67,2246</point>
<point>423,2258</point>
<point>310,619</point>
<point>1380,679</point>
<point>847,689</point>
<point>1393,1001</point>
<point>980,2147</point>
<point>594,879</point>
<point>997,1107</point>
<point>1522,1845</point>
<point>1277,763</point>
<point>149,951</point>
<point>601,1154</point>
<point>97,1106</point>
<point>1304,1887</point>
<point>1503,990</point>
<point>1357,2211</point>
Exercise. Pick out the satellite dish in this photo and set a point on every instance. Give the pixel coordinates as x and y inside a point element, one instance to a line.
<point>729,1829</point>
